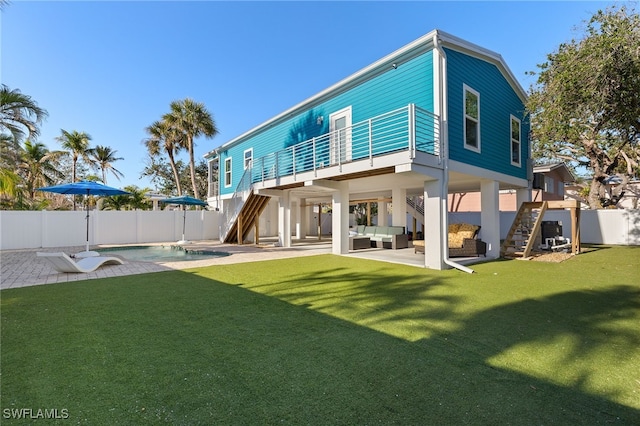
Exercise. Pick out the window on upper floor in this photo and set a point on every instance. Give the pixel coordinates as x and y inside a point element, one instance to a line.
<point>248,158</point>
<point>515,142</point>
<point>471,119</point>
<point>227,172</point>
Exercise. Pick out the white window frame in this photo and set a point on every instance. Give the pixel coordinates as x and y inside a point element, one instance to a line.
<point>515,141</point>
<point>244,157</point>
<point>466,89</point>
<point>344,154</point>
<point>228,172</point>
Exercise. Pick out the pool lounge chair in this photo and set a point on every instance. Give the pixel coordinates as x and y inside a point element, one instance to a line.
<point>63,263</point>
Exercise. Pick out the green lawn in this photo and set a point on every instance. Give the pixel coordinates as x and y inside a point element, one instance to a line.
<point>333,340</point>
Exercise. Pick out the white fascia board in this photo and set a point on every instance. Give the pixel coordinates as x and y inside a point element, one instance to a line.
<point>480,52</point>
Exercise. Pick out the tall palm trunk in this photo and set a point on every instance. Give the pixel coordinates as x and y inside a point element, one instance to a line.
<point>192,168</point>
<point>176,177</point>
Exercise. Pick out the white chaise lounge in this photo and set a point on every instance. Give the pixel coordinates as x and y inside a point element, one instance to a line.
<point>63,263</point>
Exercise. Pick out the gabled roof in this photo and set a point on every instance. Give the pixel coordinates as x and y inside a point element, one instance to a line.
<point>565,174</point>
<point>409,51</point>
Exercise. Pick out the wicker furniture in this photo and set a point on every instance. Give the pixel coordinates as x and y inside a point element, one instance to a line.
<point>358,242</point>
<point>392,237</point>
<point>463,241</point>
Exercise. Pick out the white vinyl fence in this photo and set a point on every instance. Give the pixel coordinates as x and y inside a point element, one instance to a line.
<point>36,229</point>
<point>615,227</point>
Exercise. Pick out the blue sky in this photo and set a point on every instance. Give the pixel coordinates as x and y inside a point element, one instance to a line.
<point>111,68</point>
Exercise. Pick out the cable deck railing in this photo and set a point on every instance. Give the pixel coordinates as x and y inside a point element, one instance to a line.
<point>410,129</point>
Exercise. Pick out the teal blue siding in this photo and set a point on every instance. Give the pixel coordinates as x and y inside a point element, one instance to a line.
<point>411,82</point>
<point>498,101</point>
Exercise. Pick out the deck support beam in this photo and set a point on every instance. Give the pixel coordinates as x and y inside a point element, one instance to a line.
<point>340,218</point>
<point>433,229</point>
<point>284,219</point>
<point>490,216</point>
<point>399,203</point>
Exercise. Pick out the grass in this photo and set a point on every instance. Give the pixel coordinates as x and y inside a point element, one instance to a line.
<point>333,340</point>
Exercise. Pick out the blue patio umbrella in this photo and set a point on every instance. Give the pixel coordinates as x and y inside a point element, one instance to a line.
<point>184,200</point>
<point>85,187</point>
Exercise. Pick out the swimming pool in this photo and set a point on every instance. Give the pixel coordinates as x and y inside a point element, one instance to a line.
<point>161,253</point>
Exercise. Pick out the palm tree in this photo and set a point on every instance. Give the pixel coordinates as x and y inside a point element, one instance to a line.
<point>164,137</point>
<point>77,143</point>
<point>19,114</point>
<point>38,166</point>
<point>103,156</point>
<point>192,119</point>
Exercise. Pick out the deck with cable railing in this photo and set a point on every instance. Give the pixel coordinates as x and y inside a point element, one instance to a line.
<point>408,130</point>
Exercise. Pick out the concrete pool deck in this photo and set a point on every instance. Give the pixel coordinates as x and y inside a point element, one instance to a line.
<point>21,268</point>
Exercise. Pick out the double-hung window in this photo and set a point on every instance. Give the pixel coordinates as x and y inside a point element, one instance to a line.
<point>471,119</point>
<point>515,142</point>
<point>227,172</point>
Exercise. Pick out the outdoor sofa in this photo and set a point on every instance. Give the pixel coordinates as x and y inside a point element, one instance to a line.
<point>392,237</point>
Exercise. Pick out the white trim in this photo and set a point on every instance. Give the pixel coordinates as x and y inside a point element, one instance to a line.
<point>476,148</point>
<point>230,160</point>
<point>419,46</point>
<point>512,140</point>
<point>244,158</point>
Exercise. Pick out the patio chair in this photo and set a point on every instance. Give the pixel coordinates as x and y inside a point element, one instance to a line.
<point>63,263</point>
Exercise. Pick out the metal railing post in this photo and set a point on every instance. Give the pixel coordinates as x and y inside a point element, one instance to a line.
<point>371,141</point>
<point>411,112</point>
<point>313,149</point>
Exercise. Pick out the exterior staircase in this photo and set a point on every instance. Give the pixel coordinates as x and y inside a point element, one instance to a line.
<point>524,231</point>
<point>246,219</point>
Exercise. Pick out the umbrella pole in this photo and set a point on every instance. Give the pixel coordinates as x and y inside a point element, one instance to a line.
<point>184,221</point>
<point>87,207</point>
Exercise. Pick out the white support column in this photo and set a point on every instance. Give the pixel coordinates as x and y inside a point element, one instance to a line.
<point>522,196</point>
<point>433,229</point>
<point>383,217</point>
<point>340,219</point>
<point>490,216</point>
<point>301,224</point>
<point>284,219</point>
<point>399,203</point>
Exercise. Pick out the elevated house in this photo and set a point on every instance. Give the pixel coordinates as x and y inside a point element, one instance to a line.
<point>440,115</point>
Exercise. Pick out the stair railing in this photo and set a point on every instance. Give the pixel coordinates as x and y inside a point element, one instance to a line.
<point>233,208</point>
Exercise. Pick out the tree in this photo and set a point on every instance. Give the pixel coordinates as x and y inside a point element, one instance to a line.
<point>192,119</point>
<point>77,143</point>
<point>38,166</point>
<point>585,108</point>
<point>103,157</point>
<point>165,138</point>
<point>19,114</point>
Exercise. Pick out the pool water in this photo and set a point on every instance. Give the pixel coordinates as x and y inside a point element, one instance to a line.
<point>161,253</point>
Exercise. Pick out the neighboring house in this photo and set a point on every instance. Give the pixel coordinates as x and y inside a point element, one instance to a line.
<point>627,199</point>
<point>438,116</point>
<point>548,185</point>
